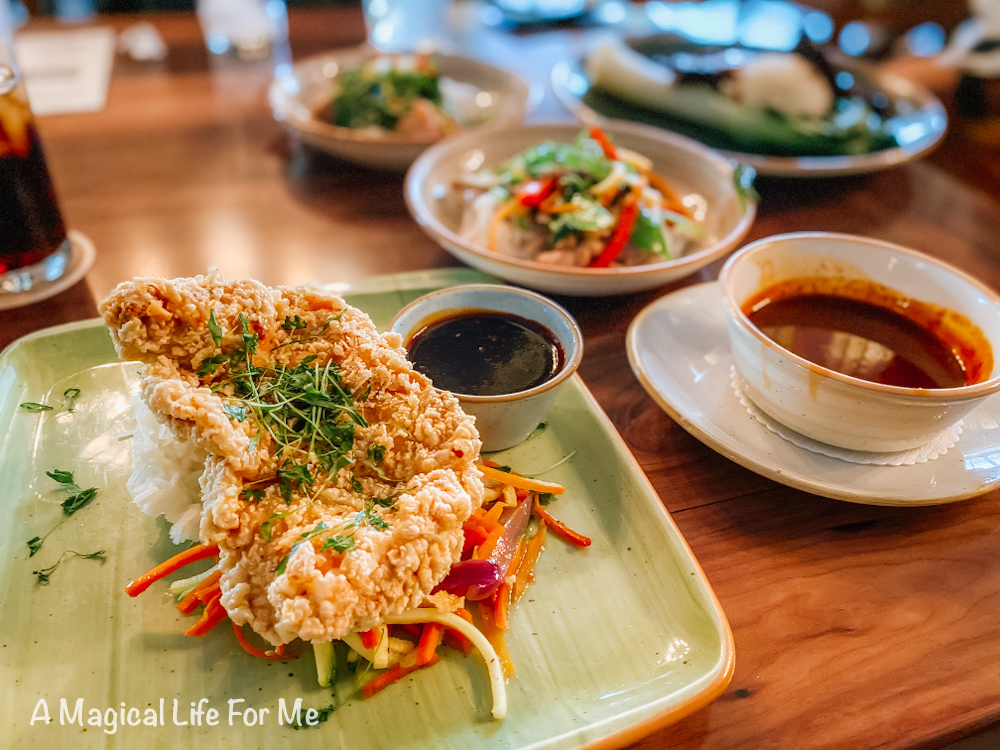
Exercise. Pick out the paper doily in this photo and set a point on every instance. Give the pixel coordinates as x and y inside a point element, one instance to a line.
<point>935,448</point>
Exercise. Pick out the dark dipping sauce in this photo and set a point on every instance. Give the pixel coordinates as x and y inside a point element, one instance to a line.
<point>869,331</point>
<point>479,353</point>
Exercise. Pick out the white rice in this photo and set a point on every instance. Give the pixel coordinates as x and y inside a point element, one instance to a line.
<point>165,474</point>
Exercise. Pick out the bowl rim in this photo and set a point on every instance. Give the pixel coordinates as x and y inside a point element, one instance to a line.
<point>735,314</point>
<point>565,372</point>
<point>361,53</point>
<point>419,170</point>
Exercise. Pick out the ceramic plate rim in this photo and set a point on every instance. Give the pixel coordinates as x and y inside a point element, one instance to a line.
<point>795,166</point>
<point>732,451</point>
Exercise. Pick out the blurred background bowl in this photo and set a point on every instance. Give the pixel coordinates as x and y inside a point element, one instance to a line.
<point>485,96</point>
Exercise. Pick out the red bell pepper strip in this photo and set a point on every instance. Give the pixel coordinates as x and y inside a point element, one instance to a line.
<point>560,528</point>
<point>369,638</point>
<point>531,194</point>
<point>606,145</point>
<point>619,238</point>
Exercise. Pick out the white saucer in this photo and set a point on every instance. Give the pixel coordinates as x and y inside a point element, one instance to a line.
<point>679,350</point>
<point>80,261</point>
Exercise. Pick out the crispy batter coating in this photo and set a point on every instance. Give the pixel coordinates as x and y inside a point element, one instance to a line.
<point>426,481</point>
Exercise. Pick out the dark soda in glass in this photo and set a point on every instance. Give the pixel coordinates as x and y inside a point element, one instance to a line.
<point>31,226</point>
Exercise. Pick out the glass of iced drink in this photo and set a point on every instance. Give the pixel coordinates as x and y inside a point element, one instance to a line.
<point>34,248</point>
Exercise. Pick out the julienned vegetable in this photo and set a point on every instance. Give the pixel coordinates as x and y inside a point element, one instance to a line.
<point>585,203</point>
<point>498,562</point>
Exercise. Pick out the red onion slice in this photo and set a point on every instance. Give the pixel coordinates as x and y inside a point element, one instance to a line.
<point>504,551</point>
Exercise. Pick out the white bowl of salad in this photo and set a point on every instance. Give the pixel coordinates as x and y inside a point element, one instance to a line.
<point>584,212</point>
<point>383,110</point>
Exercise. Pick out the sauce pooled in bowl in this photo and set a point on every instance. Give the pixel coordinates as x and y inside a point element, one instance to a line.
<point>485,353</point>
<point>866,330</point>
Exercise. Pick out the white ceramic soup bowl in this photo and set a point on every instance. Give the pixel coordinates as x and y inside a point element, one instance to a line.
<point>826,405</point>
<point>507,419</point>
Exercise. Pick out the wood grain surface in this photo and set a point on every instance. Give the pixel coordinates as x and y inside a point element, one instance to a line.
<point>855,626</point>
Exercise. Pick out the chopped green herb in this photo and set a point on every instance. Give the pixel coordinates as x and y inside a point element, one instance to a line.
<point>209,365</point>
<point>544,498</point>
<point>284,561</point>
<point>376,452</point>
<point>339,543</point>
<point>63,477</point>
<point>35,544</point>
<point>32,406</point>
<point>265,528</point>
<point>356,485</point>
<point>73,503</point>
<point>253,496</point>
<point>293,324</point>
<point>317,530</point>
<point>214,328</point>
<point>239,413</point>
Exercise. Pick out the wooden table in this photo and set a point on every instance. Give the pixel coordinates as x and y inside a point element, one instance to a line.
<point>855,626</point>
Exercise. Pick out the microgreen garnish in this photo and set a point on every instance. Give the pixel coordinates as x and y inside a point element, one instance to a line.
<point>376,452</point>
<point>339,543</point>
<point>214,328</point>
<point>293,324</point>
<point>32,406</point>
<point>239,413</point>
<point>544,498</point>
<point>70,505</point>
<point>63,477</point>
<point>73,503</point>
<point>44,574</point>
<point>253,496</point>
<point>356,485</point>
<point>70,395</point>
<point>265,528</point>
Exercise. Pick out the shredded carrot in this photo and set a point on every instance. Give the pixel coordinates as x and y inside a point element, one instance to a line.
<point>175,563</point>
<point>517,481</point>
<point>560,528</point>
<point>430,639</point>
<point>495,636</point>
<point>670,198</point>
<point>501,604</point>
<point>606,145</point>
<point>190,601</point>
<point>486,548</point>
<point>526,571</point>
<point>209,592</point>
<point>494,513</point>
<point>211,617</point>
<point>507,209</point>
<point>278,653</point>
<point>369,638</point>
<point>390,675</point>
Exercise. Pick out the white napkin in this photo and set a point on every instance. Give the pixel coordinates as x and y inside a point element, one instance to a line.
<point>66,71</point>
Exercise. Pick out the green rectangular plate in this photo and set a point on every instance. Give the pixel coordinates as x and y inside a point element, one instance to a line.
<point>610,642</point>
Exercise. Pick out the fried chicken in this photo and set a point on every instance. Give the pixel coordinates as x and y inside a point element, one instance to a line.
<point>325,524</point>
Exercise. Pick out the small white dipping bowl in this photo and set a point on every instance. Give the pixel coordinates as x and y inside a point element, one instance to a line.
<point>826,405</point>
<point>503,420</point>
